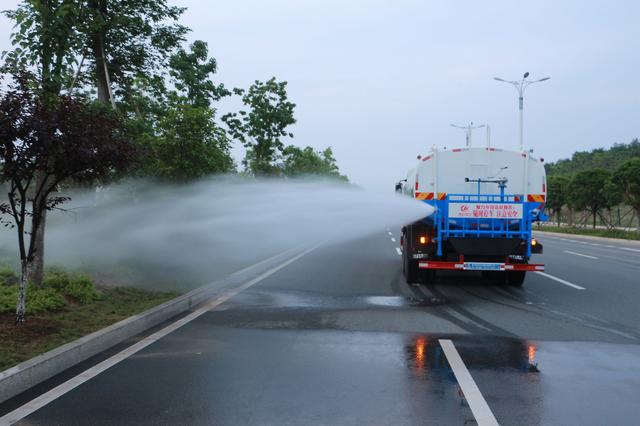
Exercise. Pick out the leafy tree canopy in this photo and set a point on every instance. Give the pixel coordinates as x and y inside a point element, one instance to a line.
<point>307,161</point>
<point>627,177</point>
<point>262,126</point>
<point>608,159</point>
<point>42,145</point>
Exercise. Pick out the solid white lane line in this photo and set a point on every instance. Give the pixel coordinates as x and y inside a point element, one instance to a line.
<point>560,280</point>
<point>393,239</point>
<point>580,254</point>
<point>44,399</point>
<point>479,407</point>
<point>399,251</point>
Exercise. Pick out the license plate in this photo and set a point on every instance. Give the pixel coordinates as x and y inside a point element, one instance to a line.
<point>483,266</point>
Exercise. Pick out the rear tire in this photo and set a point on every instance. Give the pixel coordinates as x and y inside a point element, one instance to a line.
<point>495,277</point>
<point>427,276</point>
<point>516,278</point>
<point>410,268</point>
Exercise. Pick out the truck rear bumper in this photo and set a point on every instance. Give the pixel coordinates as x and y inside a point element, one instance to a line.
<point>480,266</point>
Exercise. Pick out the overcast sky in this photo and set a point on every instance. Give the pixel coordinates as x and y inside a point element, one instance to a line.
<point>380,81</point>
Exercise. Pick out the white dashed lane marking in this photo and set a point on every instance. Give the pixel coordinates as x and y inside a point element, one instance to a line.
<point>580,254</point>
<point>561,281</point>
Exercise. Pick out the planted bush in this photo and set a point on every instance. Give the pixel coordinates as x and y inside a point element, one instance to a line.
<point>77,286</point>
<point>7,276</point>
<point>40,299</point>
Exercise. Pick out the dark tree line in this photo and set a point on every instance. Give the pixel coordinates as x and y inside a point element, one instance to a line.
<point>579,185</point>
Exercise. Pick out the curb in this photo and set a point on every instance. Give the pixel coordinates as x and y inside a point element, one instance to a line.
<point>27,374</point>
<point>622,241</point>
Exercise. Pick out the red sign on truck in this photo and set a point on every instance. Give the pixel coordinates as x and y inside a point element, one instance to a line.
<point>485,210</point>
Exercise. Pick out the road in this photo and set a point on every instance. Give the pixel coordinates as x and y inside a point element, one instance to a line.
<point>337,337</point>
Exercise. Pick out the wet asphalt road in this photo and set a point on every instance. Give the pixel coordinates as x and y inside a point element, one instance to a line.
<point>337,337</point>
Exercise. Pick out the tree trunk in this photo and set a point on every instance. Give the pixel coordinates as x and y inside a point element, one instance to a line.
<point>36,271</point>
<point>594,219</point>
<point>570,217</point>
<point>97,46</point>
<point>638,218</point>
<point>22,292</point>
<point>36,268</point>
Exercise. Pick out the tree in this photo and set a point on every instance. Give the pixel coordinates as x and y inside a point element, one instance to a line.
<point>189,145</point>
<point>191,75</point>
<point>627,177</point>
<point>181,138</point>
<point>586,191</point>
<point>557,194</point>
<point>599,158</point>
<point>45,41</point>
<point>119,47</point>
<point>262,127</point>
<point>306,161</point>
<point>43,145</point>
<point>129,41</point>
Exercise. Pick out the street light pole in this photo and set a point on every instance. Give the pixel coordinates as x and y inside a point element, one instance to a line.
<point>468,130</point>
<point>520,87</point>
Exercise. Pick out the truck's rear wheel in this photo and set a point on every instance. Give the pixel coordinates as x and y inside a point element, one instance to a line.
<point>494,277</point>
<point>410,270</point>
<point>427,276</point>
<point>516,278</point>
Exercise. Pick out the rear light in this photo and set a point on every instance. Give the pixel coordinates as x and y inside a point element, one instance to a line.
<point>424,240</point>
<point>534,242</point>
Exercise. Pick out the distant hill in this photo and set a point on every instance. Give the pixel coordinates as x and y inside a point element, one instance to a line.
<point>602,158</point>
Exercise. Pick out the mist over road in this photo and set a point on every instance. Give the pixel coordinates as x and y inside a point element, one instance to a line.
<point>337,337</point>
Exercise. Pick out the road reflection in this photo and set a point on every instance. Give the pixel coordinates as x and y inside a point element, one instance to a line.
<point>494,363</point>
<point>424,353</point>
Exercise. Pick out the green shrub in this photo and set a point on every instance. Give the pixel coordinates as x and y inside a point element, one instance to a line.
<point>7,276</point>
<point>38,299</point>
<point>77,286</point>
<point>43,299</point>
<point>8,298</point>
<point>81,287</point>
<point>58,280</point>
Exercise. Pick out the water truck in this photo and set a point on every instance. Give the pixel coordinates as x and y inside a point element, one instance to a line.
<point>486,200</point>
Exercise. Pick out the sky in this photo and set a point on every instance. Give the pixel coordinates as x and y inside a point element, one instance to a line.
<point>381,81</point>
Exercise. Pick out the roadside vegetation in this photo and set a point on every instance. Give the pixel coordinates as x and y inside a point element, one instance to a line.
<point>598,232</point>
<point>67,306</point>
<point>94,92</point>
<point>599,189</point>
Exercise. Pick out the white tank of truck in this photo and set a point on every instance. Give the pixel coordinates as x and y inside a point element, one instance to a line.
<point>443,171</point>
<point>486,200</point>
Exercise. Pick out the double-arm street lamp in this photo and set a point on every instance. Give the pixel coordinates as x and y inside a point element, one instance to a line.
<point>468,129</point>
<point>520,86</point>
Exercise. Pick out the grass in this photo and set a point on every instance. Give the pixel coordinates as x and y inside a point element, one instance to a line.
<point>608,233</point>
<point>49,329</point>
